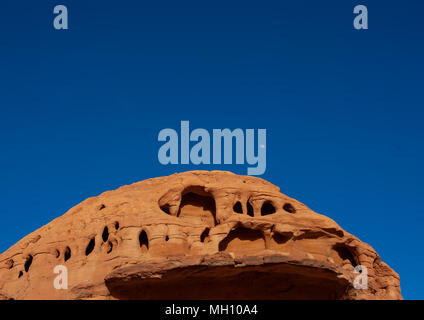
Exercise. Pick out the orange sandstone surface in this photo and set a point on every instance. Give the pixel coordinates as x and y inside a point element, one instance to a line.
<point>194,235</point>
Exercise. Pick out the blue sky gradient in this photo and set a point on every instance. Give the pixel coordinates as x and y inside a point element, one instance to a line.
<point>81,109</point>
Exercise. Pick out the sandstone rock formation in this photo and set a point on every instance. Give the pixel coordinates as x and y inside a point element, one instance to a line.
<point>194,235</point>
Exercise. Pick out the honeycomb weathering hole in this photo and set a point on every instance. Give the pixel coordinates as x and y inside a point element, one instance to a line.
<point>238,208</point>
<point>165,208</point>
<point>90,246</point>
<point>28,263</point>
<point>197,204</point>
<point>243,239</point>
<point>267,208</point>
<point>105,234</point>
<point>205,235</point>
<point>143,241</point>
<point>289,208</point>
<point>344,254</point>
<point>279,238</point>
<point>67,254</point>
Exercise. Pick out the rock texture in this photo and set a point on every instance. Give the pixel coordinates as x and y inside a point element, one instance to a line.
<point>194,235</point>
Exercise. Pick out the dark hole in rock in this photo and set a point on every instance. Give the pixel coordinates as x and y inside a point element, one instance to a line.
<point>166,238</point>
<point>57,253</point>
<point>198,204</point>
<point>267,208</point>
<point>105,234</point>
<point>205,235</point>
<point>67,254</point>
<point>289,208</point>
<point>250,211</point>
<point>344,253</point>
<point>280,238</point>
<point>20,274</point>
<point>90,246</point>
<point>165,208</point>
<point>10,264</point>
<point>102,206</point>
<point>116,225</point>
<point>238,208</point>
<point>143,240</point>
<point>28,263</point>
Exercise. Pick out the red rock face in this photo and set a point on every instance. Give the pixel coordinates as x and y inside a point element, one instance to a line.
<point>194,235</point>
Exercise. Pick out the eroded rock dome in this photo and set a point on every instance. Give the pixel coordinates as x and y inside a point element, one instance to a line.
<point>194,235</point>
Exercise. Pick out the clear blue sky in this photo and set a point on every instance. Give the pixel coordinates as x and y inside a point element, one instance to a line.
<point>343,109</point>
